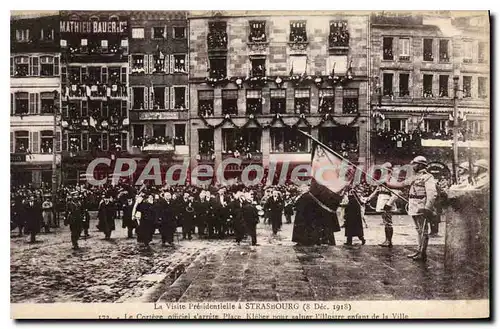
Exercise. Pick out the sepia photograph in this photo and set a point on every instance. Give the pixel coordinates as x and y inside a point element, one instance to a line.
<point>249,164</point>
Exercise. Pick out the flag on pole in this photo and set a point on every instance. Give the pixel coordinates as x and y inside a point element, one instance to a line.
<point>331,175</point>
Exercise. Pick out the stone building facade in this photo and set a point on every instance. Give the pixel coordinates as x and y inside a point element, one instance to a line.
<point>255,78</point>
<point>35,95</point>
<point>414,62</point>
<point>159,92</point>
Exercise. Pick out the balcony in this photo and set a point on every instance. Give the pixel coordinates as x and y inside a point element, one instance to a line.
<point>217,41</point>
<point>338,42</point>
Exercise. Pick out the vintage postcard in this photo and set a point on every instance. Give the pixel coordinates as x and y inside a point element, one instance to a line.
<point>250,165</point>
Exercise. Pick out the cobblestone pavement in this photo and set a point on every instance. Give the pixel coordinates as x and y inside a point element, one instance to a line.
<point>215,270</point>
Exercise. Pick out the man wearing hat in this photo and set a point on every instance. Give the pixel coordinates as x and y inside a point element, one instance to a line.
<point>274,206</point>
<point>74,218</point>
<point>106,215</point>
<point>481,174</point>
<point>168,223</point>
<point>33,218</point>
<point>250,217</point>
<point>48,214</point>
<point>128,221</point>
<point>421,201</point>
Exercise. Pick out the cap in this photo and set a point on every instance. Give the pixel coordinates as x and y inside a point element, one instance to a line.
<point>387,165</point>
<point>420,160</point>
<point>464,165</point>
<point>483,163</point>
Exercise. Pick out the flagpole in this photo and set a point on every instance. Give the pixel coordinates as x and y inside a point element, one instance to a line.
<point>338,155</point>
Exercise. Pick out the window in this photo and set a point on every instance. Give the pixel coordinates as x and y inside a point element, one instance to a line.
<point>47,34</point>
<point>287,140</point>
<point>63,43</point>
<point>74,75</point>
<point>444,51</point>
<point>206,141</point>
<point>467,87</point>
<point>298,64</point>
<point>428,86</point>
<point>138,97</point>
<point>350,101</point>
<point>482,85</point>
<point>468,51</point>
<point>278,100</point>
<point>254,102</point>
<point>302,101</point>
<point>159,32</point>
<point>217,35</point>
<point>158,98</point>
<point>75,142</point>
<point>435,126</point>
<point>49,66</point>
<point>397,124</point>
<point>298,32</point>
<point>94,74</point>
<point>138,64</point>
<point>387,51</point>
<point>326,101</point>
<point>339,34</point>
<point>180,64</point>
<point>22,103</point>
<point>481,52</point>
<point>258,66</point>
<point>230,102</point>
<point>257,31</point>
<point>180,98</point>
<point>117,141</point>
<point>443,85</point>
<point>21,66</point>
<point>337,64</point>
<point>205,103</point>
<point>22,141</point>
<point>404,84</point>
<point>218,68</point>
<point>404,49</point>
<point>46,141</point>
<point>159,62</point>
<point>243,141</point>
<point>342,139</point>
<point>428,53</point>
<point>114,75</point>
<point>138,131</point>
<point>179,32</point>
<point>388,84</point>
<point>22,35</point>
<point>159,130</point>
<point>137,33</point>
<point>180,134</point>
<point>47,100</point>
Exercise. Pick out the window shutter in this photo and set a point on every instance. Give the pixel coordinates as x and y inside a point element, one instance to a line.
<point>186,98</point>
<point>151,98</point>
<point>165,32</point>
<point>172,62</point>
<point>131,97</point>
<point>130,61</point>
<point>34,142</point>
<point>63,75</point>
<point>123,77</point>
<point>146,98</point>
<point>38,105</point>
<point>65,141</point>
<point>35,66</point>
<point>166,64</point>
<point>104,75</point>
<point>85,142</point>
<point>172,98</point>
<point>151,64</point>
<point>30,71</point>
<point>186,64</point>
<point>152,33</point>
<point>11,66</point>
<point>56,65</point>
<point>11,142</point>
<point>58,141</point>
<point>12,104</point>
<point>105,141</point>
<point>166,98</point>
<point>85,109</point>
<point>31,105</point>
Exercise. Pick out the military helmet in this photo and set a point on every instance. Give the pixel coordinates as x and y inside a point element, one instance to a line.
<point>420,160</point>
<point>387,165</point>
<point>464,165</point>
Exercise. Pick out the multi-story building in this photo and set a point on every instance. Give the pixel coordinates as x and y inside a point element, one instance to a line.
<point>159,92</point>
<point>94,77</point>
<point>417,63</point>
<point>34,96</point>
<point>255,78</point>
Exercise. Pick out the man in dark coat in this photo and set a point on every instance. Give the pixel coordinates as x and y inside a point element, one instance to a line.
<point>221,211</point>
<point>274,206</point>
<point>353,220</point>
<point>33,218</point>
<point>106,215</point>
<point>128,222</point>
<point>168,223</point>
<point>74,218</point>
<point>145,214</point>
<point>237,206</point>
<point>288,209</point>
<point>201,213</point>
<point>211,215</point>
<point>187,216</point>
<point>250,218</point>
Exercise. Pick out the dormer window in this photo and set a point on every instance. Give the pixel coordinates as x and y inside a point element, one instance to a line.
<point>257,31</point>
<point>298,32</point>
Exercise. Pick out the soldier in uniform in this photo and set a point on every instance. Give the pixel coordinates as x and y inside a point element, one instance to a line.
<point>74,218</point>
<point>421,201</point>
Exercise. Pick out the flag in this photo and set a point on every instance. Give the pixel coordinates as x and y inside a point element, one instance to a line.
<point>330,176</point>
<point>291,70</point>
